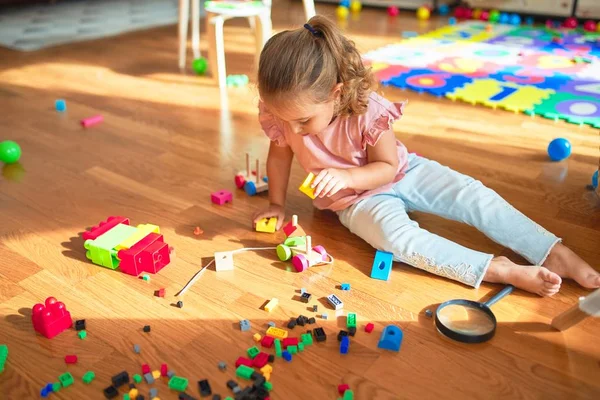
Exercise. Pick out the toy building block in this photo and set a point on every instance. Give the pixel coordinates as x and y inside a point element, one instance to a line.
<point>133,392</point>
<point>277,333</point>
<point>351,320</point>
<point>253,351</point>
<point>145,369</point>
<point>267,369</point>
<point>245,325</point>
<point>320,335</point>
<point>80,325</point>
<point>270,306</point>
<point>260,360</point>
<point>312,320</point>
<point>305,187</point>
<point>82,334</point>
<point>382,265</point>
<point>51,319</point>
<point>156,374</point>
<point>257,337</point>
<point>170,374</point>
<point>391,338</point>
<point>120,379</point>
<point>292,324</point>
<point>149,378</point>
<point>258,184</point>
<point>293,229</point>
<point>287,356</point>
<point>160,292</point>
<point>344,345</point>
<point>300,347</point>
<point>352,330</point>
<point>146,328</point>
<point>324,316</point>
<point>345,286</point>
<point>101,251</point>
<point>292,349</point>
<point>67,380</point>
<point>369,327</point>
<point>150,254</point>
<point>111,392</point>
<point>222,365</point>
<point>142,230</point>
<point>270,323</point>
<point>163,370</point>
<point>342,334</point>
<point>178,383</point>
<point>146,277</point>
<point>153,393</point>
<point>223,261</point>
<point>315,308</point>
<point>278,348</point>
<point>267,225</point>
<point>290,341</point>
<point>103,227</point>
<point>348,395</point>
<point>267,341</point>
<point>3,356</point>
<point>335,302</point>
<point>307,339</point>
<point>87,378</point>
<point>204,388</point>
<point>221,197</point>
<point>136,348</point>
<point>244,371</point>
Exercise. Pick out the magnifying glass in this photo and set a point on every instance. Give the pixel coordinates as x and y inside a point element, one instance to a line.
<point>469,321</point>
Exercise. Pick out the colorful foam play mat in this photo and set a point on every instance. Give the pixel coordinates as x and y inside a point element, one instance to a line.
<point>533,70</point>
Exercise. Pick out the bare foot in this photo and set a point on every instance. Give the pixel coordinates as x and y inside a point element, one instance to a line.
<point>567,264</point>
<point>534,279</point>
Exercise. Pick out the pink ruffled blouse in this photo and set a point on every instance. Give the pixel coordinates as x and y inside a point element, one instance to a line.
<point>343,144</point>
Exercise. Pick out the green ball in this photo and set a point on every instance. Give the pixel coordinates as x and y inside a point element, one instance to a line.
<point>10,152</point>
<point>199,65</point>
<point>494,16</point>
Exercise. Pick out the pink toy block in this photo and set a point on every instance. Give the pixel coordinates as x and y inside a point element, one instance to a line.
<point>96,119</point>
<point>243,361</point>
<point>51,319</point>
<point>342,388</point>
<point>369,327</point>
<point>267,341</point>
<point>150,254</point>
<point>145,369</point>
<point>103,227</point>
<point>161,292</point>
<point>164,370</point>
<point>260,360</point>
<point>290,341</point>
<point>71,359</point>
<point>221,197</point>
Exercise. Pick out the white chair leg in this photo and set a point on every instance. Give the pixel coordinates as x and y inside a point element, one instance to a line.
<point>184,18</point>
<point>266,26</point>
<point>196,28</point>
<point>216,48</point>
<point>309,8</point>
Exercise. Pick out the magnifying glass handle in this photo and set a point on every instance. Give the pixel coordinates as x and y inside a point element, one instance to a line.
<point>500,295</point>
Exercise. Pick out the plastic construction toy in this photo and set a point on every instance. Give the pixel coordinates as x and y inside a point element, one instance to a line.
<point>3,356</point>
<point>305,186</point>
<point>382,265</point>
<point>52,318</point>
<point>391,338</point>
<point>267,225</point>
<point>559,149</point>
<point>595,179</point>
<point>251,181</point>
<point>199,65</point>
<point>335,302</point>
<point>303,258</point>
<point>60,105</point>
<point>10,152</point>
<point>115,244</point>
<point>91,121</point>
<point>221,197</point>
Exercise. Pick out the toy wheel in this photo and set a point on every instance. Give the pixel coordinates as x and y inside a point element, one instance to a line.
<point>265,179</point>
<point>284,252</point>
<point>300,263</point>
<point>321,250</point>
<point>250,188</point>
<point>239,181</point>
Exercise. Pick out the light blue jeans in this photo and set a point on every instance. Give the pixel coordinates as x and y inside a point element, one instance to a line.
<point>382,220</point>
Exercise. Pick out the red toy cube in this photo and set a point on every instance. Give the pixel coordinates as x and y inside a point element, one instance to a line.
<point>163,370</point>
<point>71,359</point>
<point>260,360</point>
<point>51,319</point>
<point>150,254</point>
<point>342,388</point>
<point>290,341</point>
<point>221,197</point>
<point>161,292</point>
<point>267,341</point>
<point>243,361</point>
<point>369,327</point>
<point>145,369</point>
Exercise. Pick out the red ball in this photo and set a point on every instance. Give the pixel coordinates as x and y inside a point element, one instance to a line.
<point>485,15</point>
<point>570,23</point>
<point>393,11</point>
<point>468,13</point>
<point>589,26</point>
<point>459,12</point>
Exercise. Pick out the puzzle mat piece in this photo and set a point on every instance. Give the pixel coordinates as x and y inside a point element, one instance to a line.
<point>497,54</point>
<point>589,72</point>
<point>384,72</point>
<point>471,31</point>
<point>470,67</point>
<point>436,83</point>
<point>407,55</point>
<point>571,108</point>
<point>551,64</point>
<point>582,88</point>
<point>496,94</point>
<point>513,74</point>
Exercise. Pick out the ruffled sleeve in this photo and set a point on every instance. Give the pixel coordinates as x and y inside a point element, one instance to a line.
<point>271,126</point>
<point>380,119</point>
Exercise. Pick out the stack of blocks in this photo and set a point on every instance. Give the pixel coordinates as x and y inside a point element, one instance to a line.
<point>115,244</point>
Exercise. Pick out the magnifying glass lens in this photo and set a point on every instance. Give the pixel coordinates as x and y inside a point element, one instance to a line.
<point>466,320</point>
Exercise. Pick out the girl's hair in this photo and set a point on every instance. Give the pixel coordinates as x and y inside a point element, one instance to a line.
<point>315,58</point>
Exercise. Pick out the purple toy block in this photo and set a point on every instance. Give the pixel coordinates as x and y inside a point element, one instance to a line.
<point>221,197</point>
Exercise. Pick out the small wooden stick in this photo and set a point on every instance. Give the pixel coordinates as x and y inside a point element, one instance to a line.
<point>294,220</point>
<point>257,171</point>
<point>308,243</point>
<point>248,165</point>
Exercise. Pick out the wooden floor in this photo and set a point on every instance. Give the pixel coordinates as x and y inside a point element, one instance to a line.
<point>168,139</point>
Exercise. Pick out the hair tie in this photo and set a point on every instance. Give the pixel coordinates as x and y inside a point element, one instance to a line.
<point>312,30</point>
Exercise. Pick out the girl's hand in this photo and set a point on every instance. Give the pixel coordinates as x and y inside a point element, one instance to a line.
<point>273,210</point>
<point>330,181</point>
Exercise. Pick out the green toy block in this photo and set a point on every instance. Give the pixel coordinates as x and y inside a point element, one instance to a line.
<point>292,349</point>
<point>351,320</point>
<point>243,371</point>
<point>88,377</point>
<point>66,379</point>
<point>348,395</point>
<point>253,351</point>
<point>146,277</point>
<point>278,348</point>
<point>3,356</point>
<point>56,386</point>
<point>82,334</point>
<point>102,249</point>
<point>300,347</point>
<point>178,383</point>
<point>307,339</point>
<point>126,396</point>
<point>268,385</point>
<point>228,398</point>
<point>137,378</point>
<point>295,241</point>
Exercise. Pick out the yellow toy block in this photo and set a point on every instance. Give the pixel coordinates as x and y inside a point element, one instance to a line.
<point>277,333</point>
<point>257,337</point>
<point>156,374</point>
<point>270,306</point>
<point>102,249</point>
<point>142,230</point>
<point>133,393</point>
<point>267,225</point>
<point>305,187</point>
<point>267,377</point>
<point>267,369</point>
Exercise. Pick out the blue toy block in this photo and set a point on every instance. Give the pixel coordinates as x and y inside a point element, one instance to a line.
<point>286,355</point>
<point>345,286</point>
<point>60,105</point>
<point>344,345</point>
<point>391,338</point>
<point>302,291</point>
<point>382,265</point>
<point>244,325</point>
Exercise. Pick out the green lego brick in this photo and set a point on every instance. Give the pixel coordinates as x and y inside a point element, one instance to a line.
<point>253,351</point>
<point>228,398</point>
<point>268,385</point>
<point>278,348</point>
<point>300,347</point>
<point>101,250</point>
<point>56,386</point>
<point>292,349</point>
<point>126,396</point>
<point>137,378</point>
<point>66,379</point>
<point>348,395</point>
<point>82,334</point>
<point>178,383</point>
<point>88,377</point>
<point>243,371</point>
<point>146,277</point>
<point>351,320</point>
<point>3,356</point>
<point>307,339</point>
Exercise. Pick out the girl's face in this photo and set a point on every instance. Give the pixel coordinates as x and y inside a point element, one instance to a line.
<point>303,115</point>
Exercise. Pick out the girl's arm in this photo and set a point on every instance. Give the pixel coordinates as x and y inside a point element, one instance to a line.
<point>381,170</point>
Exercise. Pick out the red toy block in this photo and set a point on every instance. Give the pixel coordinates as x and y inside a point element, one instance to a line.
<point>290,341</point>
<point>161,292</point>
<point>267,341</point>
<point>51,319</point>
<point>369,327</point>
<point>243,361</point>
<point>71,359</point>
<point>150,254</point>
<point>342,388</point>
<point>103,227</point>
<point>260,360</point>
<point>145,369</point>
<point>221,197</point>
<point>163,370</point>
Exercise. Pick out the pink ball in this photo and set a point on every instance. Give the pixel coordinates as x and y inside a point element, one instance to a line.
<point>393,11</point>
<point>589,26</point>
<point>459,12</point>
<point>485,16</point>
<point>570,23</point>
<point>468,13</point>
